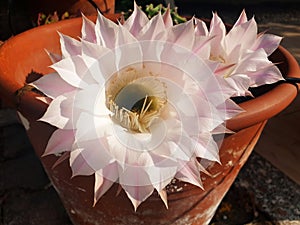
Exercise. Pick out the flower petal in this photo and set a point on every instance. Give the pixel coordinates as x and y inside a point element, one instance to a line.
<point>54,113</point>
<point>90,127</point>
<point>244,35</point>
<point>60,141</point>
<point>136,21</point>
<point>268,42</point>
<point>69,46</point>
<point>189,173</point>
<point>182,34</point>
<point>88,30</point>
<point>74,71</point>
<point>153,30</point>
<point>102,184</point>
<point>137,194</point>
<point>200,28</point>
<point>106,31</point>
<point>167,18</point>
<point>242,19</point>
<point>79,164</point>
<point>52,85</point>
<point>218,31</point>
<point>53,57</point>
<point>96,104</point>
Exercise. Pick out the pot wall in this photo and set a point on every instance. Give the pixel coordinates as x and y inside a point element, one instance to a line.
<point>188,204</point>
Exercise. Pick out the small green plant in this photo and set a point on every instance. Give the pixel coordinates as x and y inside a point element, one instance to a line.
<point>50,18</point>
<point>152,10</point>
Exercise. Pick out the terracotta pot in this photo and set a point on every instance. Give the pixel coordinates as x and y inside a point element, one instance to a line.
<point>187,203</point>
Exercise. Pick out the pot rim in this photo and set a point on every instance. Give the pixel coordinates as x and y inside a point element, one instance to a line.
<point>257,110</point>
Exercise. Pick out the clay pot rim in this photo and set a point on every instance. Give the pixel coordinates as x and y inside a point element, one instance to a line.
<point>257,110</point>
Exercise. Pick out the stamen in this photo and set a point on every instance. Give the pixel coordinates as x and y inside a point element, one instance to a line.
<point>135,99</point>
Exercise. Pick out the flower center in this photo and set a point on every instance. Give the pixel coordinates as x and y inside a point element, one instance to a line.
<point>136,98</point>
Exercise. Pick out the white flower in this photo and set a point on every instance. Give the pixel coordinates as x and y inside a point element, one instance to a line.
<point>135,104</point>
<point>242,54</point>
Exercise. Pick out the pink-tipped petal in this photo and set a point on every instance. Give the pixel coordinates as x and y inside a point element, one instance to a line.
<point>53,57</point>
<point>53,114</point>
<point>167,18</point>
<point>88,30</point>
<point>236,85</point>
<point>106,31</point>
<point>95,154</point>
<point>74,71</point>
<point>52,85</point>
<point>267,75</point>
<point>182,34</point>
<point>136,21</point>
<point>189,173</point>
<point>200,28</point>
<point>101,186</point>
<point>244,34</point>
<point>60,141</point>
<point>153,30</point>
<point>162,171</point>
<point>268,42</point>
<point>138,194</point>
<point>218,30</point>
<point>242,19</point>
<point>69,46</point>
<point>79,164</point>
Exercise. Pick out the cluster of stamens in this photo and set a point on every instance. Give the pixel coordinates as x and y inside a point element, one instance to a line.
<point>135,99</point>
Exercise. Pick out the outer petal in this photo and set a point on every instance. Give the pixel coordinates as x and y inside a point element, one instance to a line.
<point>182,34</point>
<point>167,18</point>
<point>204,147</point>
<point>53,57</point>
<point>200,28</point>
<point>268,42</point>
<point>252,62</point>
<point>244,34</point>
<point>242,19</point>
<point>94,153</point>
<point>79,164</point>
<point>88,30</point>
<point>69,46</point>
<point>218,30</point>
<point>138,194</point>
<point>96,58</point>
<point>52,85</point>
<point>129,51</point>
<point>54,114</point>
<point>60,141</point>
<point>74,71</point>
<point>189,173</point>
<point>153,30</point>
<point>162,172</point>
<point>236,85</point>
<point>136,21</point>
<point>267,75</point>
<point>106,31</point>
<point>101,183</point>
